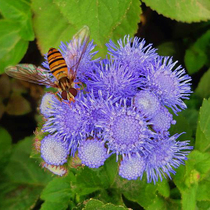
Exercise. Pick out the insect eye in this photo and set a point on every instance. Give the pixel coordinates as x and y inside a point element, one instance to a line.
<point>64,95</point>
<point>73,91</point>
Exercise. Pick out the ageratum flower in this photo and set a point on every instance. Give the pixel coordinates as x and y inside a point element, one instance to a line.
<point>166,155</point>
<point>114,78</point>
<point>132,167</point>
<point>125,129</point>
<point>92,152</point>
<point>133,53</point>
<point>162,121</point>
<point>68,121</point>
<point>170,84</point>
<point>147,103</point>
<point>54,151</point>
<point>123,111</point>
<point>46,104</point>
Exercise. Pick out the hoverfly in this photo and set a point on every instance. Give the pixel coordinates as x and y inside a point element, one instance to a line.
<point>59,76</point>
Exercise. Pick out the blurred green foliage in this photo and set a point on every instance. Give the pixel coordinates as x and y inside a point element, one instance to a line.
<point>24,184</point>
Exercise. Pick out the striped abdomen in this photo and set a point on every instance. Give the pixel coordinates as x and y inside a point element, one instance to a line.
<point>57,64</point>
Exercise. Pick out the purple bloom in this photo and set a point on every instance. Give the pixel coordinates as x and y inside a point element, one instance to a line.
<point>162,120</point>
<point>169,84</point>
<point>125,129</point>
<point>114,78</point>
<point>122,111</point>
<point>133,53</point>
<point>54,150</point>
<point>92,153</point>
<point>69,121</point>
<point>46,104</point>
<point>147,103</point>
<point>166,155</point>
<point>132,167</point>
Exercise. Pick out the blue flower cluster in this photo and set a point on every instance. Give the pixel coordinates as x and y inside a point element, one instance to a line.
<point>124,111</point>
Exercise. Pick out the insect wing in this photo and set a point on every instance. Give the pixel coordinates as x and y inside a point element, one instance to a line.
<point>30,73</point>
<point>77,47</point>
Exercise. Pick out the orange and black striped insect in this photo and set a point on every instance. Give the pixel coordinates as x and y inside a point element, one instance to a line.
<point>59,76</point>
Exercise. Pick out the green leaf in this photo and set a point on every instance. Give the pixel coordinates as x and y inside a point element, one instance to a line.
<point>181,125</point>
<point>18,105</point>
<point>12,46</point>
<point>109,171</point>
<point>203,89</point>
<point>185,10</point>
<point>19,11</point>
<point>110,195</point>
<point>5,85</point>
<point>22,180</point>
<point>106,20</point>
<point>198,54</point>
<point>191,115</point>
<point>203,129</point>
<point>96,204</point>
<point>191,179</point>
<point>189,198</point>
<point>90,180</point>
<point>53,206</point>
<point>138,191</point>
<point>203,205</point>
<point>197,167</point>
<point>157,203</point>
<point>203,190</point>
<point>5,142</point>
<point>5,147</point>
<point>164,188</point>
<point>167,49</point>
<point>58,192</point>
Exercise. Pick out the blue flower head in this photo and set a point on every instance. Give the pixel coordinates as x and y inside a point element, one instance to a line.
<point>125,130</point>
<point>68,121</point>
<point>162,121</point>
<point>54,150</point>
<point>133,53</point>
<point>46,104</point>
<point>132,167</point>
<point>122,112</point>
<point>92,152</point>
<point>166,155</point>
<point>147,103</point>
<point>114,78</point>
<point>170,84</point>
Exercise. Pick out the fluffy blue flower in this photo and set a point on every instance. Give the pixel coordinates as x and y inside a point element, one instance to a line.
<point>147,103</point>
<point>132,52</point>
<point>170,84</point>
<point>54,150</point>
<point>122,112</point>
<point>114,78</point>
<point>46,104</point>
<point>166,155</point>
<point>69,121</point>
<point>92,152</point>
<point>162,121</point>
<point>125,129</point>
<point>132,167</point>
